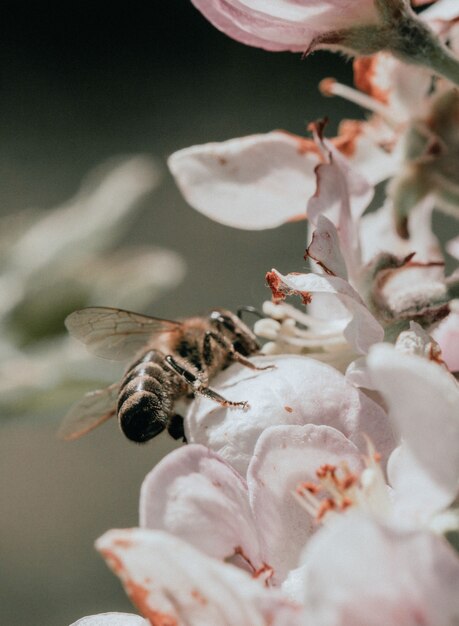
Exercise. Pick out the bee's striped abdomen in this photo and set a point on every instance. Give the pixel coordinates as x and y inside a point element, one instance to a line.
<point>146,398</point>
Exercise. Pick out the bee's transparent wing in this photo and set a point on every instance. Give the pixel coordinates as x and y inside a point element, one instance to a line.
<point>114,333</point>
<point>93,409</point>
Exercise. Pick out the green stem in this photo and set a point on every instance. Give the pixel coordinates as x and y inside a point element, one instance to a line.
<point>412,40</point>
<point>443,63</point>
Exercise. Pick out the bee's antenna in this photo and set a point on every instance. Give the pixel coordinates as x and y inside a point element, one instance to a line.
<point>249,309</point>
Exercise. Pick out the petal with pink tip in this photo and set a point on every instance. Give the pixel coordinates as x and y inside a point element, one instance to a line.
<point>284,24</point>
<point>423,401</point>
<point>195,495</point>
<point>298,391</point>
<point>111,619</point>
<point>172,583</point>
<point>363,329</point>
<point>284,457</point>
<point>359,572</point>
<point>254,182</point>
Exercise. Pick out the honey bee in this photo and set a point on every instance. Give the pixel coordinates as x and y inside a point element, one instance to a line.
<point>171,360</point>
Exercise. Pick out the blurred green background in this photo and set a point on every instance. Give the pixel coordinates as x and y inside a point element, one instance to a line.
<point>82,82</point>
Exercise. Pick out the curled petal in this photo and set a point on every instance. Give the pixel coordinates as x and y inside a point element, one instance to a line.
<point>342,195</point>
<point>193,494</point>
<point>284,24</point>
<point>423,401</point>
<point>284,457</point>
<point>325,250</point>
<point>300,391</point>
<point>254,182</point>
<point>362,330</point>
<point>173,584</point>
<point>360,572</point>
<point>111,619</point>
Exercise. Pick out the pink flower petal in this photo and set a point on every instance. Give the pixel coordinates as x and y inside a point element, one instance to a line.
<point>284,457</point>
<point>112,619</point>
<point>423,401</point>
<point>254,182</point>
<point>193,494</point>
<point>299,391</point>
<point>447,336</point>
<point>173,584</point>
<point>284,24</point>
<point>362,330</point>
<point>361,573</point>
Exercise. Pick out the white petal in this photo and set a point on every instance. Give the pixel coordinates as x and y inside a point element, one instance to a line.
<point>416,496</point>
<point>453,247</point>
<point>325,249</point>
<point>360,573</point>
<point>193,494</point>
<point>362,330</point>
<point>172,583</point>
<point>111,619</point>
<point>254,182</point>
<point>299,391</point>
<point>284,457</point>
<point>423,401</point>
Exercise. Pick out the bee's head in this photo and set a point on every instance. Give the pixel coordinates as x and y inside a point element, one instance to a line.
<point>240,335</point>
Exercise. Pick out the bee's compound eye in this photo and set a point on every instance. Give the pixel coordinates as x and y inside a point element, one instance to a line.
<point>138,423</point>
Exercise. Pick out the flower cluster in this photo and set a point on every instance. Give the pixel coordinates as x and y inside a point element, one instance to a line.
<point>331,498</point>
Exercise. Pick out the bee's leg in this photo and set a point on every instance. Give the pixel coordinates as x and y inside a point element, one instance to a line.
<point>175,428</point>
<point>235,355</point>
<point>198,386</point>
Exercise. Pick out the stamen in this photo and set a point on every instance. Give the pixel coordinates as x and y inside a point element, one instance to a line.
<point>331,87</point>
<point>343,488</point>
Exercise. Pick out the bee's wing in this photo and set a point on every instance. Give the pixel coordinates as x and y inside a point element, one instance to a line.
<point>93,409</point>
<point>114,333</point>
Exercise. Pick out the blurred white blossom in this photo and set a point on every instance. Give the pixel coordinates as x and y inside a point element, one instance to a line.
<point>65,259</point>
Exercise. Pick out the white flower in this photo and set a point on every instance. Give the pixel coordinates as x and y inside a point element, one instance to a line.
<point>359,572</point>
<point>414,120</point>
<point>298,391</point>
